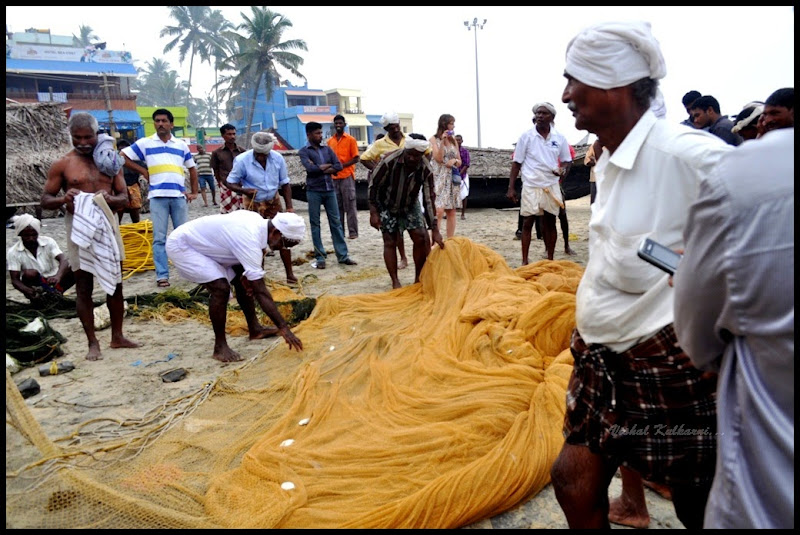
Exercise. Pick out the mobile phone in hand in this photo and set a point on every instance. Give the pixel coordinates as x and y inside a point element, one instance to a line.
<point>659,255</point>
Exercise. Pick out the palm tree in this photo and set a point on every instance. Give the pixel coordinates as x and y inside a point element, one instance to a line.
<point>219,26</point>
<point>194,34</point>
<point>159,85</point>
<point>205,111</point>
<point>264,53</point>
<point>87,35</point>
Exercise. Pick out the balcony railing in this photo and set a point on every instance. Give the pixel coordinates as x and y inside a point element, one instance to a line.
<point>15,93</point>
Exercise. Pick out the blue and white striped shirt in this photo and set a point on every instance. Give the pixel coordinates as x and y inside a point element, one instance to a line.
<point>165,164</point>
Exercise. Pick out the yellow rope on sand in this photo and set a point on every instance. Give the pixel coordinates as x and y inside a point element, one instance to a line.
<point>137,238</point>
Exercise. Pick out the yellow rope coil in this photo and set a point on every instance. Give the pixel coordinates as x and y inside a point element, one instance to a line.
<point>137,238</point>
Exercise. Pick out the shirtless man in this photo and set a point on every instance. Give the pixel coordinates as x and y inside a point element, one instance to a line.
<point>73,174</point>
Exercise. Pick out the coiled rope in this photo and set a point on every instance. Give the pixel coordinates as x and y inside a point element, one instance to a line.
<point>137,238</point>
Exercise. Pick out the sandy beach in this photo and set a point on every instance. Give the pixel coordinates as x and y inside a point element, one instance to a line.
<point>119,388</point>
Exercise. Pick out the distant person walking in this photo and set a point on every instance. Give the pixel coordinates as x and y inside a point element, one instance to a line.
<point>205,175</point>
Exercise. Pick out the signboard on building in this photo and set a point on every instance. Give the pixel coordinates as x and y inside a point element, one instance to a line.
<point>66,53</point>
<point>316,109</point>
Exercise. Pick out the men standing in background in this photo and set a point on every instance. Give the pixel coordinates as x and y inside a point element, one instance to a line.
<point>166,157</point>
<point>205,175</point>
<point>346,149</point>
<point>222,164</point>
<point>687,100</point>
<point>464,172</point>
<point>630,377</point>
<point>537,156</point>
<point>706,114</point>
<point>321,164</point>
<point>734,314</point>
<point>260,176</point>
<point>94,244</point>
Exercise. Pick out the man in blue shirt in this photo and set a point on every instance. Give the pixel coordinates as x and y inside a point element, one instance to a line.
<point>260,176</point>
<point>321,164</point>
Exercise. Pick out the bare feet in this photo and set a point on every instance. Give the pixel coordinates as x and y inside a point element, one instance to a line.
<point>291,280</point>
<point>568,250</point>
<point>94,352</point>
<point>227,354</point>
<point>403,263</point>
<point>396,284</point>
<point>661,490</point>
<point>462,216</point>
<point>123,342</point>
<point>263,332</point>
<point>622,512</point>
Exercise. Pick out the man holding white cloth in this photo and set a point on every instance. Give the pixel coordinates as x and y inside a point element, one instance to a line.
<point>634,398</point>
<point>216,249</point>
<point>537,156</point>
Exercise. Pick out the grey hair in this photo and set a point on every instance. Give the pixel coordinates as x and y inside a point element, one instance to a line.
<point>83,120</point>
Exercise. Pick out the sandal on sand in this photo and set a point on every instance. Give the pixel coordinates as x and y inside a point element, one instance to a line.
<point>163,283</point>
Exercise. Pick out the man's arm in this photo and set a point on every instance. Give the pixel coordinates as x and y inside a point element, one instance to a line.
<point>63,266</point>
<point>236,177</point>
<point>286,193</point>
<point>16,282</point>
<point>130,164</point>
<point>511,194</point>
<point>267,304</point>
<point>194,184</point>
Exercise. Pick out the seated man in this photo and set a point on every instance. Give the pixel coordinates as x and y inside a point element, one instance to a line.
<point>35,263</point>
<point>216,249</point>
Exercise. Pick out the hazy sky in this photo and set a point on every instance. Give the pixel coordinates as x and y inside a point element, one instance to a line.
<point>421,60</point>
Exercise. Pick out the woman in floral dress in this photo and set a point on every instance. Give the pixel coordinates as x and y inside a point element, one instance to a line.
<point>444,156</point>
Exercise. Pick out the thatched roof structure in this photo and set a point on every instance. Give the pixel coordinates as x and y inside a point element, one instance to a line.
<point>36,136</point>
<point>484,163</point>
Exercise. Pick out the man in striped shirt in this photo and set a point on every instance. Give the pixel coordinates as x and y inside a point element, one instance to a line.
<point>166,157</point>
<point>205,175</point>
<point>394,206</point>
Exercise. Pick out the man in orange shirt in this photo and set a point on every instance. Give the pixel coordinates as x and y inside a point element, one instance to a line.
<point>344,182</point>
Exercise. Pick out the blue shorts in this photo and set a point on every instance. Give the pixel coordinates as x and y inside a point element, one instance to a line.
<point>201,179</point>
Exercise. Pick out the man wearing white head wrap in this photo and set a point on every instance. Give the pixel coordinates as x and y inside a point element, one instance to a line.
<point>69,181</point>
<point>221,250</point>
<point>747,120</point>
<point>393,206</point>
<point>261,177</point>
<point>647,177</point>
<point>541,157</point>
<point>35,263</point>
<point>393,140</point>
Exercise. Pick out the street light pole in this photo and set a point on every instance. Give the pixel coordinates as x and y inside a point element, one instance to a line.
<point>476,26</point>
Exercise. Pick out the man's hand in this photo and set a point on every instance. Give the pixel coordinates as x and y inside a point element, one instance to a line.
<point>247,285</point>
<point>374,220</point>
<point>69,199</point>
<point>293,341</point>
<point>511,195</point>
<point>190,196</point>
<point>437,237</point>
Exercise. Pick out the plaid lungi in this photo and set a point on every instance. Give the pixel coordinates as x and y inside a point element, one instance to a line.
<point>647,408</point>
<point>228,200</point>
<point>267,209</point>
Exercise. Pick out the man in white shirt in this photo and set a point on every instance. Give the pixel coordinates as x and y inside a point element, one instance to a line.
<point>166,157</point>
<point>537,156</point>
<point>734,313</point>
<point>634,398</point>
<point>216,249</point>
<point>36,263</point>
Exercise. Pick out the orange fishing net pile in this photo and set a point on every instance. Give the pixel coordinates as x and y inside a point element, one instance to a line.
<point>430,406</point>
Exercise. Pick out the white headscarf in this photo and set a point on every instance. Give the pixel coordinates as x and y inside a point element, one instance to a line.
<point>744,122</point>
<point>550,107</point>
<point>388,118</point>
<point>418,144</point>
<point>615,54</point>
<point>21,222</point>
<point>658,105</point>
<point>106,157</point>
<point>262,142</point>
<point>292,226</point>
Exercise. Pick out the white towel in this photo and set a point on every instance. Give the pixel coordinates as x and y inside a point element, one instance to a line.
<point>94,235</point>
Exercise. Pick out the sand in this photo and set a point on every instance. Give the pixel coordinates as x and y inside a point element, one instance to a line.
<point>116,388</point>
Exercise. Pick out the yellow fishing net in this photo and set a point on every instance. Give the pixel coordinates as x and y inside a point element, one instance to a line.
<point>430,406</point>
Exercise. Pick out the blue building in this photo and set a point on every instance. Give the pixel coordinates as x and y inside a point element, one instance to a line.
<point>292,107</point>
